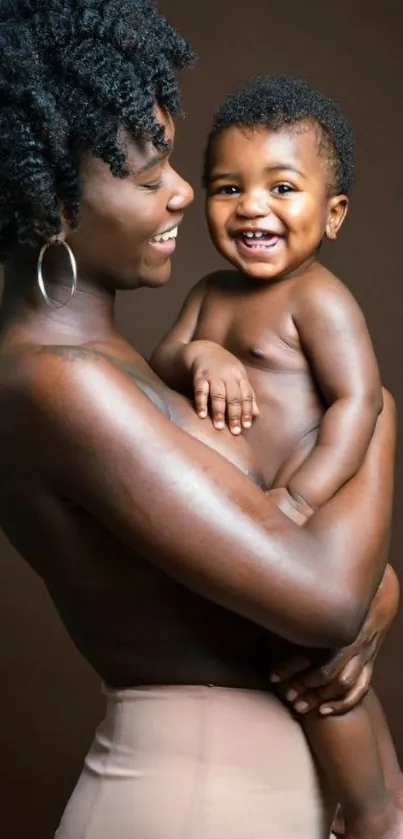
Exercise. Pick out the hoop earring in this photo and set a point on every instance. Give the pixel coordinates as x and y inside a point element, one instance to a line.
<point>41,284</point>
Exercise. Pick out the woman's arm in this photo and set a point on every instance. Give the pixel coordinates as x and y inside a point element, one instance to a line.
<point>195,516</point>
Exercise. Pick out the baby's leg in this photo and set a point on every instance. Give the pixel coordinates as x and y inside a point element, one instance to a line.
<point>355,751</point>
<point>348,751</point>
<point>388,757</point>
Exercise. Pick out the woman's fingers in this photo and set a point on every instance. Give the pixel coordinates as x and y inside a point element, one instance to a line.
<point>297,663</point>
<point>353,698</point>
<point>334,699</point>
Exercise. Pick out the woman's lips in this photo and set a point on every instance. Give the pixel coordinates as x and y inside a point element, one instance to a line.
<point>165,242</point>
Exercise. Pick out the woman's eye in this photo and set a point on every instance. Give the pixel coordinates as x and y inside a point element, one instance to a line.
<point>153,185</point>
<point>283,189</point>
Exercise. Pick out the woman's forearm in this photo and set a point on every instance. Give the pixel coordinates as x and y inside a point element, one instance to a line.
<point>188,511</point>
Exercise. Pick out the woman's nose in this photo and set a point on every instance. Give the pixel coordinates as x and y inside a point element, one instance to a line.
<point>182,194</point>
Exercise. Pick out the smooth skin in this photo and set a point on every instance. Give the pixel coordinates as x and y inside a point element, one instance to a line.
<point>104,486</point>
<point>285,338</point>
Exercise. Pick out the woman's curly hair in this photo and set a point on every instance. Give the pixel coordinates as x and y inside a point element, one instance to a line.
<point>72,72</point>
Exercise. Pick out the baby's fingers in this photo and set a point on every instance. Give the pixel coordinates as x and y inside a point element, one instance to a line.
<point>218,398</point>
<point>249,407</point>
<point>201,393</point>
<point>234,406</point>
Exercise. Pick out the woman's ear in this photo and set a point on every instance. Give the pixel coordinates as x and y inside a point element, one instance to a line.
<point>337,211</point>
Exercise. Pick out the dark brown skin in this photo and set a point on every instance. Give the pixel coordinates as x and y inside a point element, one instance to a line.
<point>128,518</point>
<point>282,314</point>
<point>283,341</point>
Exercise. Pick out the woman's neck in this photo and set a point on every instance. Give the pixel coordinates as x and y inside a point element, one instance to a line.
<point>25,317</point>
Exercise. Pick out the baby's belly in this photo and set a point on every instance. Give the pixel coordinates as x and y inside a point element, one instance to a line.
<point>290,412</point>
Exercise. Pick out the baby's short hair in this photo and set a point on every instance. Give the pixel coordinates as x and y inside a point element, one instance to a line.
<point>279,101</point>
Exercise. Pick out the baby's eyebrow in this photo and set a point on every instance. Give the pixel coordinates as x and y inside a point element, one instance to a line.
<point>284,167</point>
<point>215,176</point>
<point>273,167</point>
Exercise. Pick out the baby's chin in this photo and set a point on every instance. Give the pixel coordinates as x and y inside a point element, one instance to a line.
<point>258,271</point>
<point>261,273</point>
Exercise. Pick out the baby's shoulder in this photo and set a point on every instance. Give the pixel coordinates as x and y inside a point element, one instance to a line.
<point>320,291</point>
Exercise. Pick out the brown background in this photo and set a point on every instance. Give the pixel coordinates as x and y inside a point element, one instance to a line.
<point>49,699</point>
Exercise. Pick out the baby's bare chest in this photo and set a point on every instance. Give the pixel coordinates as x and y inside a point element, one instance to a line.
<point>258,328</point>
<point>260,331</point>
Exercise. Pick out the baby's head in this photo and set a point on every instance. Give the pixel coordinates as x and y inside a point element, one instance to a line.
<point>279,165</point>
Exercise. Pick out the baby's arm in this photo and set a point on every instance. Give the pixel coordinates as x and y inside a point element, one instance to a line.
<point>172,360</point>
<point>217,378</point>
<point>337,344</point>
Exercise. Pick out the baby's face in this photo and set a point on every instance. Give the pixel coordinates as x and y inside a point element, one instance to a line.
<point>268,205</point>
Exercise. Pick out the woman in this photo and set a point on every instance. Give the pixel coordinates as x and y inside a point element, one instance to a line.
<point>168,564</point>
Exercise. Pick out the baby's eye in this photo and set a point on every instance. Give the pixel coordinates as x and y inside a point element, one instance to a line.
<point>228,189</point>
<point>282,189</point>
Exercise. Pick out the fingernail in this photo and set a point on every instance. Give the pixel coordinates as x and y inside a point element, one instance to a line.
<point>274,678</point>
<point>218,424</point>
<point>236,429</point>
<point>247,424</point>
<point>326,711</point>
<point>202,414</point>
<point>291,695</point>
<point>300,707</point>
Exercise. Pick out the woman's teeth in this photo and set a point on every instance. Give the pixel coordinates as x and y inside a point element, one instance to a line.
<point>164,237</point>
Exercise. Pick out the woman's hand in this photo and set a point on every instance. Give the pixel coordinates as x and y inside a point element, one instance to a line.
<point>344,677</point>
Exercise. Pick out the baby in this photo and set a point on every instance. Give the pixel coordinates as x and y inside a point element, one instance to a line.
<point>278,346</point>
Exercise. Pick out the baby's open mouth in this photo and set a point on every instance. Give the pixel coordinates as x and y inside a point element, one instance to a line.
<point>258,239</point>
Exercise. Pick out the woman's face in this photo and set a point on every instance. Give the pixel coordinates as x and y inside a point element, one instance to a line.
<point>128,226</point>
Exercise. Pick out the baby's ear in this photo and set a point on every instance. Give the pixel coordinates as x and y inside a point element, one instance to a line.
<point>336,213</point>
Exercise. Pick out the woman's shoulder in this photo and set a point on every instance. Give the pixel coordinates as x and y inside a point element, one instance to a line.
<point>64,388</point>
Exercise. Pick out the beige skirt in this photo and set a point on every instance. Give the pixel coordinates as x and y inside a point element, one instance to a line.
<point>197,763</point>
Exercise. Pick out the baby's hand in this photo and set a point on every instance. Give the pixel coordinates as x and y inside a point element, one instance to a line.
<point>221,381</point>
<point>295,509</point>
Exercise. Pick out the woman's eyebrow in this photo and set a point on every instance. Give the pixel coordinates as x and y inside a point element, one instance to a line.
<point>153,161</point>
